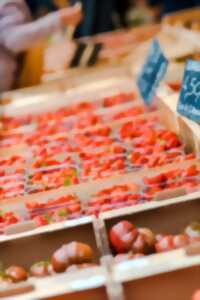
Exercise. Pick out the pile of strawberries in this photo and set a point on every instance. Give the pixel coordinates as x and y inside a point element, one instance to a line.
<point>91,155</point>
<point>90,141</point>
<point>71,206</point>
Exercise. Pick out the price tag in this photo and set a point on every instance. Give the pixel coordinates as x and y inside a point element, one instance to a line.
<point>189,100</point>
<point>152,72</point>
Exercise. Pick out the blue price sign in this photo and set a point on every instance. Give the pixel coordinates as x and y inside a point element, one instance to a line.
<point>189,100</point>
<point>152,72</point>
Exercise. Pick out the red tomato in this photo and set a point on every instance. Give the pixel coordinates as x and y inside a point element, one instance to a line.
<point>165,244</point>
<point>122,236</point>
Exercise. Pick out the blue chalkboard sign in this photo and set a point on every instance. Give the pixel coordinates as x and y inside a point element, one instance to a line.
<point>152,72</point>
<point>189,100</point>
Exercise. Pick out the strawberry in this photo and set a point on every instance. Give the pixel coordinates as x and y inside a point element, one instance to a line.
<point>190,171</point>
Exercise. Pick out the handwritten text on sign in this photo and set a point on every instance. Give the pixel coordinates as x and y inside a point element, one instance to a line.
<point>152,72</point>
<point>189,100</point>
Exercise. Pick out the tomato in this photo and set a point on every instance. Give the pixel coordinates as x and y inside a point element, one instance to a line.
<point>180,241</point>
<point>122,236</point>
<point>165,244</point>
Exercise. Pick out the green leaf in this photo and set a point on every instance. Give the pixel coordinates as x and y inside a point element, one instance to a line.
<point>162,142</point>
<point>67,181</point>
<point>62,213</point>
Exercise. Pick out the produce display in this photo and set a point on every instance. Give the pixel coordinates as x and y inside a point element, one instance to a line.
<point>125,238</point>
<point>72,206</point>
<point>62,114</point>
<point>60,160</point>
<point>136,193</point>
<point>74,166</point>
<point>56,159</point>
<point>68,258</point>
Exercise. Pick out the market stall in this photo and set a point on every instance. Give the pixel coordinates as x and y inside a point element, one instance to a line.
<point>99,192</point>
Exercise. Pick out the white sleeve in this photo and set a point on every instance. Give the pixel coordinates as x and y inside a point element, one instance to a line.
<point>18,38</point>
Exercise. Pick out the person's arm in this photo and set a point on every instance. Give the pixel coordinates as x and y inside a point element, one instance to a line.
<point>17,38</point>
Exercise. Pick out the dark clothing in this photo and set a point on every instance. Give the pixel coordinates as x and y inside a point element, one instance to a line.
<point>40,7</point>
<point>97,17</point>
<point>121,8</point>
<point>169,6</point>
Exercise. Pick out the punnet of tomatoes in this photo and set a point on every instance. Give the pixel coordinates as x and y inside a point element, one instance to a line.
<point>130,242</point>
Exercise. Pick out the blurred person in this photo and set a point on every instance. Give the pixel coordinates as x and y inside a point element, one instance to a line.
<point>98,16</point>
<point>18,33</point>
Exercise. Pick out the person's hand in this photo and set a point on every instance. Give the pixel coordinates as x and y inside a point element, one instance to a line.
<point>71,16</point>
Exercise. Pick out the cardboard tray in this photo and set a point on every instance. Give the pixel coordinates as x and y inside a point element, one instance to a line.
<point>86,190</point>
<point>91,91</point>
<point>189,128</point>
<point>30,247</point>
<point>132,275</point>
<point>61,287</point>
<point>27,248</point>
<point>171,276</point>
<point>168,217</point>
<point>71,79</point>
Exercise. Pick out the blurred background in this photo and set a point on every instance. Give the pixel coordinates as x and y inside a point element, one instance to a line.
<point>38,38</point>
<point>106,15</point>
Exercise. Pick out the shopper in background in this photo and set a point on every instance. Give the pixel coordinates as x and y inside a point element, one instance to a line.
<point>18,33</point>
<point>98,16</point>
